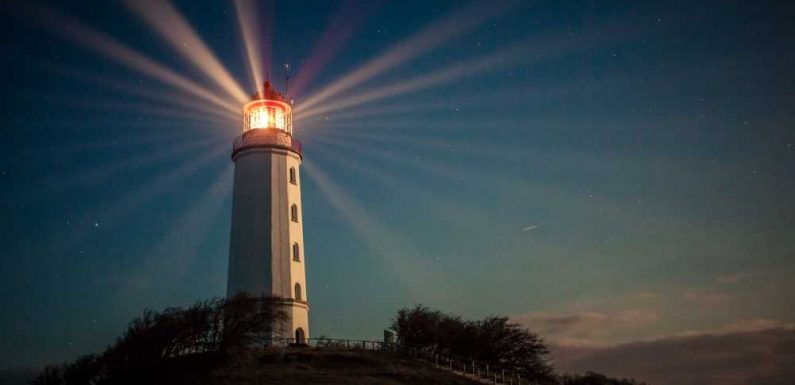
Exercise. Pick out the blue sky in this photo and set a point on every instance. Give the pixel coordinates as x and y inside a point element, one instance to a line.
<point>606,173</point>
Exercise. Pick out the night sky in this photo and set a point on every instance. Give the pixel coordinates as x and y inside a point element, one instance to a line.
<point>617,176</point>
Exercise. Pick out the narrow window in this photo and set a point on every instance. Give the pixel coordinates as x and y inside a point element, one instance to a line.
<point>296,253</point>
<point>298,291</point>
<point>294,213</point>
<point>292,175</point>
<point>299,336</point>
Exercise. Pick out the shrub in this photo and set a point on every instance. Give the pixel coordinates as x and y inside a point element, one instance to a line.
<point>217,326</point>
<point>493,340</point>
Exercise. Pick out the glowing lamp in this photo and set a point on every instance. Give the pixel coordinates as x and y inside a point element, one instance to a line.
<point>268,110</point>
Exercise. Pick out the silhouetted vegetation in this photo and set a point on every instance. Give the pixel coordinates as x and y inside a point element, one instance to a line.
<point>591,378</point>
<point>493,340</point>
<point>154,345</point>
<point>211,343</point>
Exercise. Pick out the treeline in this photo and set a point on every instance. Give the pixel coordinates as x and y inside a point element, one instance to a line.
<point>151,349</point>
<point>492,340</point>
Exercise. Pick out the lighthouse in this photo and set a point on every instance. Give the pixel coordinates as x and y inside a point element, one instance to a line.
<point>266,251</point>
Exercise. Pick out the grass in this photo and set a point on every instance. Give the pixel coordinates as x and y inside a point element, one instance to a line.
<point>309,366</point>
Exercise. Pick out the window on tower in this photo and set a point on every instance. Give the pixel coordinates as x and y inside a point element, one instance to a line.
<point>296,252</point>
<point>292,175</point>
<point>294,213</point>
<point>298,292</point>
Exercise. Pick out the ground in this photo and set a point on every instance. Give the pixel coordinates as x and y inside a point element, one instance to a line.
<point>308,366</point>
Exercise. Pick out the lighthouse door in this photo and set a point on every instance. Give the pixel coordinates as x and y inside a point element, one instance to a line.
<point>299,337</point>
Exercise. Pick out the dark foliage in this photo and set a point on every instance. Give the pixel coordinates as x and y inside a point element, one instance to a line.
<point>591,378</point>
<point>155,345</point>
<point>493,340</point>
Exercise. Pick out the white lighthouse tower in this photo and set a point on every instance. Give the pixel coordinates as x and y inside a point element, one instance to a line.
<point>267,240</point>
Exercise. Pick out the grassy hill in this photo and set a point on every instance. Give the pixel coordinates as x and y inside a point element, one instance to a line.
<point>309,366</point>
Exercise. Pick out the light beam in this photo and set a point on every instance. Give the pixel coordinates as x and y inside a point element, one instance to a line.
<point>81,34</point>
<point>172,27</point>
<point>455,24</point>
<point>257,48</point>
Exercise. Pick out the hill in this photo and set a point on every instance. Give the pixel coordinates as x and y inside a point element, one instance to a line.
<point>294,366</point>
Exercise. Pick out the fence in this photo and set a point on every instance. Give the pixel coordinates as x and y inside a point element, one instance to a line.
<point>332,343</point>
<point>456,364</point>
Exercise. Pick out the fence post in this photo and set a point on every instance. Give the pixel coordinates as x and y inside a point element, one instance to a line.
<point>487,370</point>
<point>495,378</point>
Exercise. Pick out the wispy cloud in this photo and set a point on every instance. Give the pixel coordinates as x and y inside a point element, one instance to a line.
<point>730,279</point>
<point>585,328</point>
<point>530,228</point>
<point>708,298</point>
<point>750,352</point>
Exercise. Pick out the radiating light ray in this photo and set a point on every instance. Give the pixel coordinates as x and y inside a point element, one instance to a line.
<point>257,49</point>
<point>449,173</point>
<point>111,215</point>
<point>443,206</point>
<point>161,96</point>
<point>341,26</point>
<point>516,54</point>
<point>78,33</point>
<point>53,185</point>
<point>443,144</point>
<point>457,23</point>
<point>500,152</point>
<point>97,175</point>
<point>532,50</point>
<point>392,251</point>
<point>139,108</point>
<point>358,114</point>
<point>452,102</point>
<point>172,27</point>
<point>463,221</point>
<point>408,125</point>
<point>167,261</point>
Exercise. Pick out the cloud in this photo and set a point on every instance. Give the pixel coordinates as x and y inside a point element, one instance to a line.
<point>752,352</point>
<point>528,228</point>
<point>645,295</point>
<point>706,298</point>
<point>755,325</point>
<point>585,328</point>
<point>730,279</point>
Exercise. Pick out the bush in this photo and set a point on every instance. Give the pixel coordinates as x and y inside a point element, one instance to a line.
<point>214,327</point>
<point>493,340</point>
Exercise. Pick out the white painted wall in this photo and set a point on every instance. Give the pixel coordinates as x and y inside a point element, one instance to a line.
<point>262,235</point>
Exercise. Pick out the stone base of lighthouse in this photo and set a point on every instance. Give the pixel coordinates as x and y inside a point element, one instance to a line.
<point>266,244</point>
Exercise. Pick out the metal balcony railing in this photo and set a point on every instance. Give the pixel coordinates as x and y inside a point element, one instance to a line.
<point>266,137</point>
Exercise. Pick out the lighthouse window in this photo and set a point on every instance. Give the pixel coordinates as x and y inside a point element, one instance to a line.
<point>294,213</point>
<point>298,291</point>
<point>296,253</point>
<point>292,175</point>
